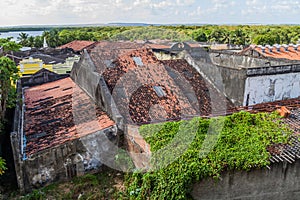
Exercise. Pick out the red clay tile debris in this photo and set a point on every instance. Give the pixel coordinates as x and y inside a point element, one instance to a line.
<point>131,72</point>
<point>283,112</point>
<point>290,110</point>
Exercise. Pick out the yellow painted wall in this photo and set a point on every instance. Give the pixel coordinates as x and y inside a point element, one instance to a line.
<point>31,66</point>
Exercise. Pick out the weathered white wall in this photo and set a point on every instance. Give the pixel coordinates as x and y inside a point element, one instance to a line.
<point>271,88</point>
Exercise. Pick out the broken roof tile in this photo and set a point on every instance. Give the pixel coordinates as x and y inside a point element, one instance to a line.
<point>54,115</point>
<point>134,86</point>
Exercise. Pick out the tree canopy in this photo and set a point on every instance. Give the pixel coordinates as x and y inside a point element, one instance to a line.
<point>8,75</point>
<point>8,45</point>
<point>239,35</point>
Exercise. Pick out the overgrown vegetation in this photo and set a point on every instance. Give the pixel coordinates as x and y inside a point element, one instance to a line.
<point>2,166</point>
<point>8,76</point>
<point>241,145</point>
<point>105,185</point>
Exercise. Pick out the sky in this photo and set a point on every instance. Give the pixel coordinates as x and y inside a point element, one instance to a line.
<point>58,12</point>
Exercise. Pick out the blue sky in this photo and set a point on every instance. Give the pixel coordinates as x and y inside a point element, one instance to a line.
<point>28,12</point>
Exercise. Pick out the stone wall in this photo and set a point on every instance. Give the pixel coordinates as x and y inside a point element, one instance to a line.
<point>281,182</point>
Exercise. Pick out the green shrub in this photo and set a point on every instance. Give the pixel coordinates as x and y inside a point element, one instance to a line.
<point>241,145</point>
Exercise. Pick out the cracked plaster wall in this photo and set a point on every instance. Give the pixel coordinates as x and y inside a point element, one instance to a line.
<point>261,89</point>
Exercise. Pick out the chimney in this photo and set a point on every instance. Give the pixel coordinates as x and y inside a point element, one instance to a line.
<point>263,49</point>
<point>296,47</point>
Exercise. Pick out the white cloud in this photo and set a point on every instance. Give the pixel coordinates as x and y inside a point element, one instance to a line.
<point>197,12</point>
<point>285,6</point>
<point>151,11</point>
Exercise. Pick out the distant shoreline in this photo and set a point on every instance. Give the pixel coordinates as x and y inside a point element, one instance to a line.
<point>21,28</point>
<point>6,29</point>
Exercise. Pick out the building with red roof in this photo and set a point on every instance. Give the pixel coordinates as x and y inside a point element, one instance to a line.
<point>55,126</point>
<point>77,45</point>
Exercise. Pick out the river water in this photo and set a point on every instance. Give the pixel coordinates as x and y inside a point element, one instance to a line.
<point>15,34</point>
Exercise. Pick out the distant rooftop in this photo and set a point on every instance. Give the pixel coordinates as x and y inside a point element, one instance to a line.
<point>290,52</point>
<point>48,56</point>
<point>77,45</point>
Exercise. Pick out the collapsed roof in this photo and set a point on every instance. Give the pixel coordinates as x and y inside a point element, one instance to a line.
<point>146,89</point>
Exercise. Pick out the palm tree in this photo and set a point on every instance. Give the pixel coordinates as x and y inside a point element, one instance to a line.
<point>31,41</point>
<point>23,38</point>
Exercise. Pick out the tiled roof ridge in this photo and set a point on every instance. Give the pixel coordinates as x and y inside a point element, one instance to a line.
<point>269,106</point>
<point>277,51</point>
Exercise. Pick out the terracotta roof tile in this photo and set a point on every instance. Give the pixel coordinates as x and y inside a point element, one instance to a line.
<point>290,52</point>
<point>77,45</point>
<point>58,112</point>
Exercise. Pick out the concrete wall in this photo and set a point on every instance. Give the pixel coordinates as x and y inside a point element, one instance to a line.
<point>62,162</point>
<point>247,80</point>
<point>232,60</point>
<point>85,75</point>
<point>268,88</point>
<point>229,81</point>
<point>281,182</point>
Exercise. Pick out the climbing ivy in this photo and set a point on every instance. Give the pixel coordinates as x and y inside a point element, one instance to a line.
<point>2,166</point>
<point>241,145</point>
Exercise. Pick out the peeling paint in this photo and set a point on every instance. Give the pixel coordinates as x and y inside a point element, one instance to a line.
<point>262,89</point>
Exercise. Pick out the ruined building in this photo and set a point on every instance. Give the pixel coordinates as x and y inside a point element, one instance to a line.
<point>136,84</point>
<point>56,127</point>
<point>70,126</point>
<point>255,75</point>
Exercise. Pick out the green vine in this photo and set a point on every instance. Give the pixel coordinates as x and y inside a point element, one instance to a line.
<point>241,145</point>
<point>2,166</point>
